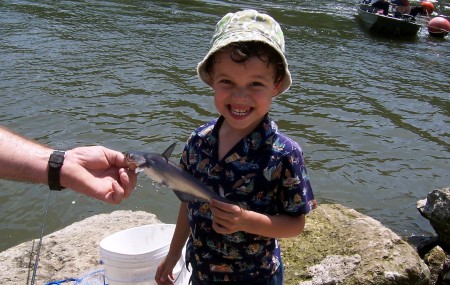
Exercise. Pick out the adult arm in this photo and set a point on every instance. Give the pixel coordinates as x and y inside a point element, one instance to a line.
<point>22,159</point>
<point>94,171</point>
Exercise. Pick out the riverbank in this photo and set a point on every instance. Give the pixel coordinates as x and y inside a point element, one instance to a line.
<point>373,124</point>
<point>338,245</point>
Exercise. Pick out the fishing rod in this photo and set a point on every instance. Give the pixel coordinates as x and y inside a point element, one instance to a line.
<point>38,251</point>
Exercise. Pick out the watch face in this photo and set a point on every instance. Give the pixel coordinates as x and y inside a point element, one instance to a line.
<point>55,163</point>
<point>56,158</point>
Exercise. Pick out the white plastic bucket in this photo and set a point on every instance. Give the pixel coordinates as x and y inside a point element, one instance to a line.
<point>132,256</point>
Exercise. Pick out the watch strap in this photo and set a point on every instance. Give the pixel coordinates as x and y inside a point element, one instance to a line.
<point>55,163</point>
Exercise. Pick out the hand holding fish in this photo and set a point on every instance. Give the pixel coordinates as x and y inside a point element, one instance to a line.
<point>98,172</point>
<point>94,170</point>
<point>228,218</point>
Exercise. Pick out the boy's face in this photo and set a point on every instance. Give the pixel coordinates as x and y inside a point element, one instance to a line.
<point>242,91</point>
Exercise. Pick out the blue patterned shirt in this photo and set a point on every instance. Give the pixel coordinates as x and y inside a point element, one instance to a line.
<point>264,172</point>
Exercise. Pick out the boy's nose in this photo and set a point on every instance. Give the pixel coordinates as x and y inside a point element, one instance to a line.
<point>240,93</point>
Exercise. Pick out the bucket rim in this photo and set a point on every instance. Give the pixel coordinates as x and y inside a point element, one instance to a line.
<point>105,243</point>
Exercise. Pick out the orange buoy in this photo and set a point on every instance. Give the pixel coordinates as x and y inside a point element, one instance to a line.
<point>427,6</point>
<point>439,27</point>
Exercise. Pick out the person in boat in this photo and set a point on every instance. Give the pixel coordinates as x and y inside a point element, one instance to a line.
<point>416,10</point>
<point>425,8</point>
<point>382,5</point>
<point>95,171</point>
<point>402,6</point>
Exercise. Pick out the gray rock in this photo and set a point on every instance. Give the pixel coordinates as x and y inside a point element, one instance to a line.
<point>435,259</point>
<point>70,252</point>
<point>436,208</point>
<point>365,252</point>
<point>444,277</point>
<point>332,270</point>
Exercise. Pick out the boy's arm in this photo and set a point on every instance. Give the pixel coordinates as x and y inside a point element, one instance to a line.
<point>229,218</point>
<point>164,272</point>
<point>181,233</point>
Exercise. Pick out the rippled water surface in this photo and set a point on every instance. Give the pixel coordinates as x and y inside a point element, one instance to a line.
<point>372,114</point>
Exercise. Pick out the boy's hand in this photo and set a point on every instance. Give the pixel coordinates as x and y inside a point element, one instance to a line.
<point>164,274</point>
<point>227,218</point>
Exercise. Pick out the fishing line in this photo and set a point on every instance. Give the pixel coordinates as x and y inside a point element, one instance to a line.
<point>38,252</point>
<point>29,263</point>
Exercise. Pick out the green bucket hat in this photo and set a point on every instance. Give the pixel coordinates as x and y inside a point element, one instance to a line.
<point>247,26</point>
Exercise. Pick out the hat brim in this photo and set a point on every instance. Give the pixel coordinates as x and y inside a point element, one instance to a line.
<point>244,37</point>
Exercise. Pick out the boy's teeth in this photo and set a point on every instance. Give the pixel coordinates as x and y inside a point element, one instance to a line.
<point>239,112</point>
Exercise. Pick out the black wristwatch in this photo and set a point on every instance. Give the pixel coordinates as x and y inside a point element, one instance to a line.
<point>55,163</point>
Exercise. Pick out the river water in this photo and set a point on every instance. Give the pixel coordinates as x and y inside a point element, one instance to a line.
<point>372,114</point>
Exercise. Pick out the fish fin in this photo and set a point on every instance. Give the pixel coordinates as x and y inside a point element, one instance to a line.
<point>184,197</point>
<point>138,169</point>
<point>223,199</point>
<point>166,154</point>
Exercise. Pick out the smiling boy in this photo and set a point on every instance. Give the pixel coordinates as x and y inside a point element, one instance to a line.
<point>243,157</point>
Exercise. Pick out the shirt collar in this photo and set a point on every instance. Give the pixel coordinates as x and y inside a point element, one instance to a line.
<point>262,135</point>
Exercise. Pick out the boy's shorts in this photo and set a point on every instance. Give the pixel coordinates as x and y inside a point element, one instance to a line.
<point>277,279</point>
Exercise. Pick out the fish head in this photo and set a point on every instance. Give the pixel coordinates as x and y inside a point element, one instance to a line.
<point>136,161</point>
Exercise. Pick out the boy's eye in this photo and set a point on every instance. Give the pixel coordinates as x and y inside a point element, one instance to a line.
<point>256,84</point>
<point>225,81</point>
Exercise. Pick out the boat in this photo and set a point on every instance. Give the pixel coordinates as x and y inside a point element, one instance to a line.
<point>393,24</point>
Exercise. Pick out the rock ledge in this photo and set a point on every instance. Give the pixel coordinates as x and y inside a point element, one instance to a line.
<point>339,246</point>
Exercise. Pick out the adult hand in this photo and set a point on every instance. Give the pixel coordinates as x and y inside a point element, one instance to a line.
<point>227,218</point>
<point>98,172</point>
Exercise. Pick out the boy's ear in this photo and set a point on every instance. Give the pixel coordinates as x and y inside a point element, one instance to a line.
<point>277,88</point>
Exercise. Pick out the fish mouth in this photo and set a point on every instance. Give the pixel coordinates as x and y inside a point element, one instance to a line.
<point>134,162</point>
